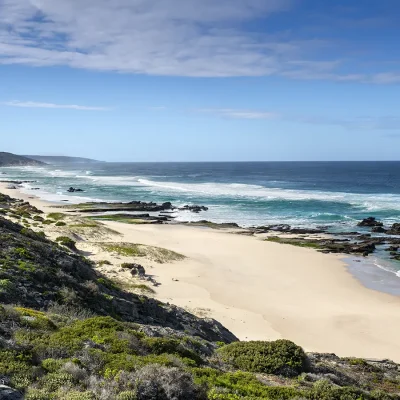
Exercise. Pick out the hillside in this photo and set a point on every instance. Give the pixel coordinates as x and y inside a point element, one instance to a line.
<point>10,160</point>
<point>63,159</point>
<point>69,333</point>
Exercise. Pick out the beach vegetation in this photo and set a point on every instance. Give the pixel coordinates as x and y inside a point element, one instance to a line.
<point>156,254</point>
<point>67,242</point>
<point>57,216</point>
<point>281,357</point>
<point>60,223</point>
<point>295,242</point>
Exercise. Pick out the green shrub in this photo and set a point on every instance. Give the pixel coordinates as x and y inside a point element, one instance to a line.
<point>79,396</point>
<point>56,216</point>
<point>38,218</point>
<point>39,394</point>
<point>107,283</point>
<point>12,362</point>
<point>60,223</point>
<point>281,357</point>
<point>48,222</point>
<point>129,395</point>
<point>103,262</point>
<point>35,319</point>
<point>67,242</point>
<point>160,346</point>
<point>52,365</point>
<point>54,380</point>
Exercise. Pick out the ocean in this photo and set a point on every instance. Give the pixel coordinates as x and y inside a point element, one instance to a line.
<point>303,194</point>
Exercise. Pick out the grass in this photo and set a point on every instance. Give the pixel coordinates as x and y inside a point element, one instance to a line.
<point>156,254</point>
<point>294,242</point>
<point>122,219</point>
<point>56,216</point>
<point>137,286</point>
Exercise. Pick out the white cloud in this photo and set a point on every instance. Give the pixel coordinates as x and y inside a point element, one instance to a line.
<point>197,38</point>
<point>32,104</point>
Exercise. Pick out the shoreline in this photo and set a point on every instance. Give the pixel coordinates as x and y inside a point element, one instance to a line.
<point>263,290</point>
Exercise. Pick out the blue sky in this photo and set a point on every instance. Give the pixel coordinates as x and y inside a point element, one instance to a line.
<point>187,80</point>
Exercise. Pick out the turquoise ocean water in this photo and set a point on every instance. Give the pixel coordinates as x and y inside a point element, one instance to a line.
<point>333,194</point>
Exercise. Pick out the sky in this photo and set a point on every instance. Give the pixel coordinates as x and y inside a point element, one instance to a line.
<point>191,80</point>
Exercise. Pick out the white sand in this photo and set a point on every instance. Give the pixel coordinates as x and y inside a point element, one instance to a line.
<point>264,291</point>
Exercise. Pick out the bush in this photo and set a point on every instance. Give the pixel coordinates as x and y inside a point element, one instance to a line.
<point>160,383</point>
<point>67,242</point>
<point>281,357</point>
<point>128,395</point>
<point>60,223</point>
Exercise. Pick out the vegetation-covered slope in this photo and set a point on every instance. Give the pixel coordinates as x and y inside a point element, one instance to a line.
<point>68,333</point>
<point>9,160</point>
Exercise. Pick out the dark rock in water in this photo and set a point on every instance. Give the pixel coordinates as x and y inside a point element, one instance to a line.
<point>284,228</point>
<point>394,230</point>
<point>7,393</point>
<point>378,229</point>
<point>393,248</point>
<point>73,190</point>
<point>370,222</point>
<point>166,206</point>
<point>195,208</point>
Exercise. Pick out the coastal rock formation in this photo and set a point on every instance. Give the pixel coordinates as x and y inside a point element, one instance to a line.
<point>73,190</point>
<point>394,230</point>
<point>136,269</point>
<point>7,393</point>
<point>370,222</point>
<point>284,228</point>
<point>378,229</point>
<point>194,208</point>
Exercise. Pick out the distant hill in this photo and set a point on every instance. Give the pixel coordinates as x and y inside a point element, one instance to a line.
<point>62,159</point>
<point>10,160</point>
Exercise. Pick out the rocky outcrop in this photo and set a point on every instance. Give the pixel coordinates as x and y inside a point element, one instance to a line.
<point>195,208</point>
<point>7,393</point>
<point>394,230</point>
<point>284,228</point>
<point>370,222</point>
<point>136,269</point>
<point>73,190</point>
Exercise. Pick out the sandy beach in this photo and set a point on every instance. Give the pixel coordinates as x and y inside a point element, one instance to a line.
<point>261,290</point>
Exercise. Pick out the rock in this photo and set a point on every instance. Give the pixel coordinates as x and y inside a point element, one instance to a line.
<point>394,230</point>
<point>136,269</point>
<point>11,187</point>
<point>378,229</point>
<point>73,190</point>
<point>7,393</point>
<point>370,222</point>
<point>393,248</point>
<point>195,209</point>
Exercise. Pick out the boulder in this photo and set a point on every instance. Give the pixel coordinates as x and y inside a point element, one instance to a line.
<point>7,393</point>
<point>370,222</point>
<point>194,208</point>
<point>136,269</point>
<point>394,230</point>
<point>378,229</point>
<point>73,190</point>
